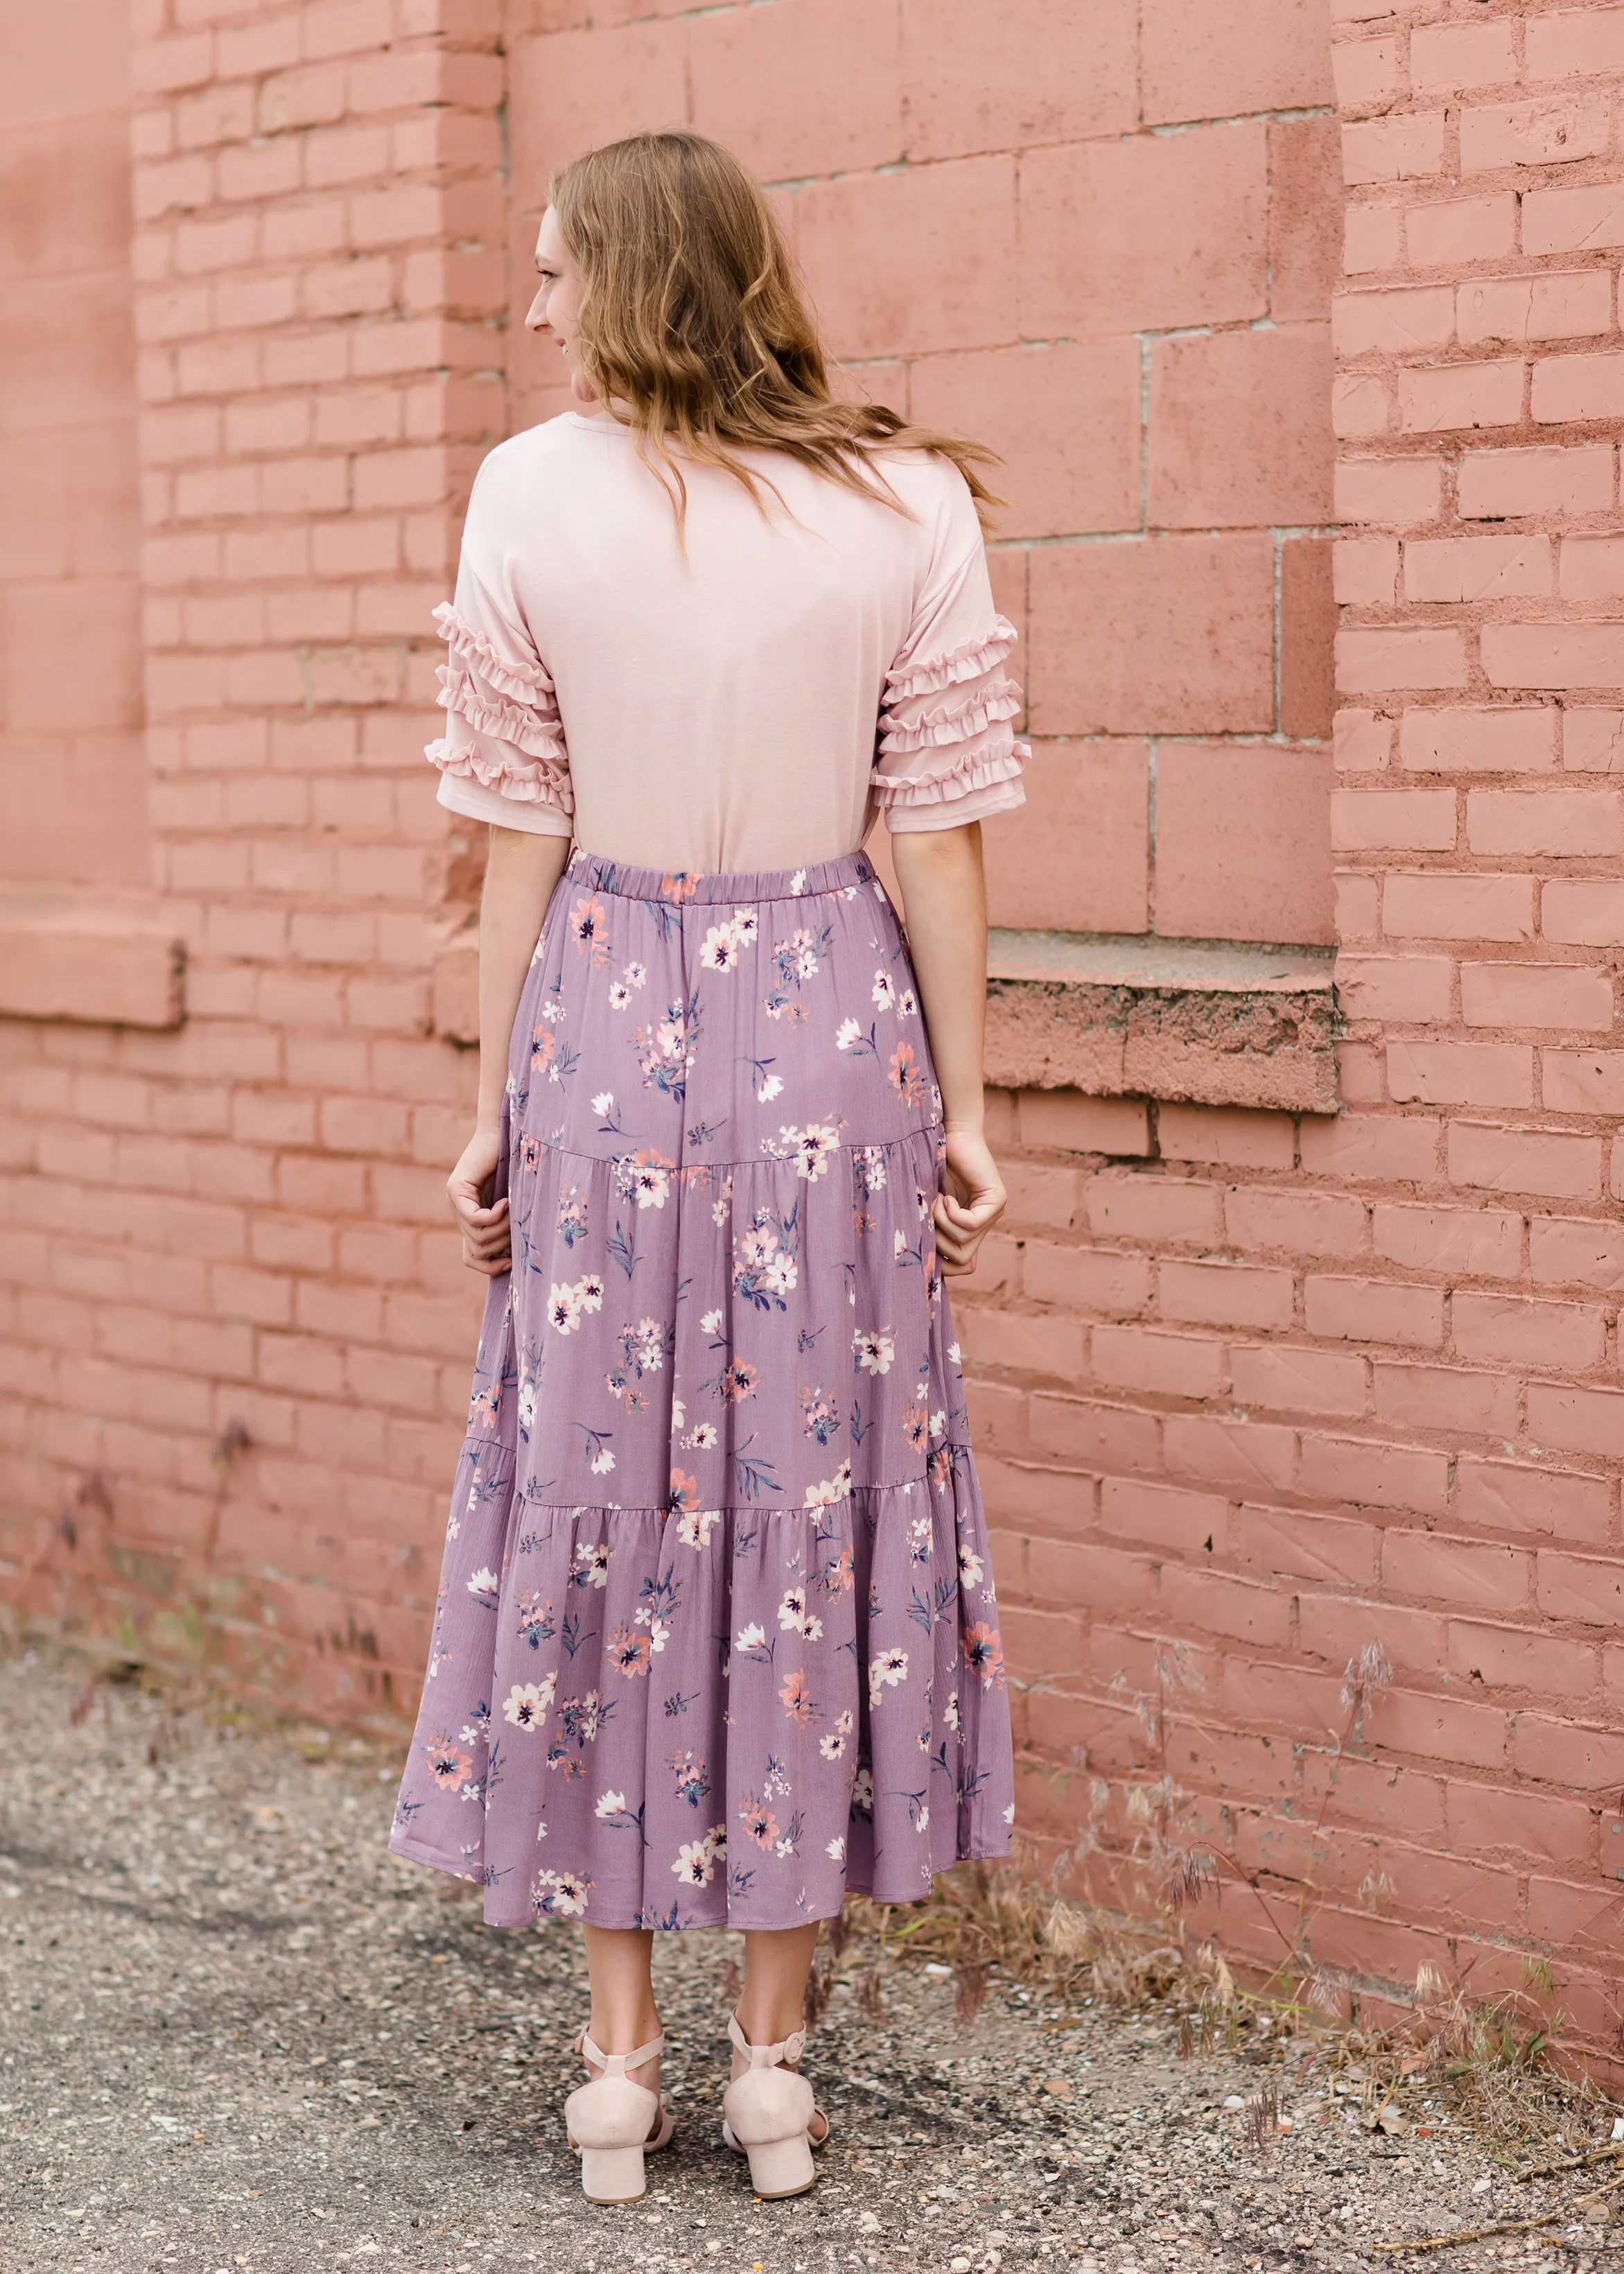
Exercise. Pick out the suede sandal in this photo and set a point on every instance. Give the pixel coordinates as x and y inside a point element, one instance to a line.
<point>767,2115</point>
<point>614,2123</point>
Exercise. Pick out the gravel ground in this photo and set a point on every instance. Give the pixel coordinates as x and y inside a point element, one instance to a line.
<point>238,2034</point>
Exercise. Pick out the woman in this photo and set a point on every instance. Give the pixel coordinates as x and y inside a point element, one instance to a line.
<point>716,1637</point>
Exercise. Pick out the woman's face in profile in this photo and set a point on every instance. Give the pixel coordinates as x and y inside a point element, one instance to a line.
<point>557,306</point>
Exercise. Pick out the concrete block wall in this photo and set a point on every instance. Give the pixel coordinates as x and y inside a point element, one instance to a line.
<point>1254,1391</point>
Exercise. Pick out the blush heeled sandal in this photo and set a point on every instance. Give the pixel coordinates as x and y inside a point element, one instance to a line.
<point>767,2115</point>
<point>614,2123</point>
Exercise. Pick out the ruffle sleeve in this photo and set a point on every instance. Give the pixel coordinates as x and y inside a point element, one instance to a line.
<point>946,752</point>
<point>502,757</point>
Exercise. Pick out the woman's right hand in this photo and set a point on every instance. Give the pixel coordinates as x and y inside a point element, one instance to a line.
<point>971,1203</point>
<point>487,1239</point>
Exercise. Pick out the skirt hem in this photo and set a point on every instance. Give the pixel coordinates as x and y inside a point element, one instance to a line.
<point>412,1851</point>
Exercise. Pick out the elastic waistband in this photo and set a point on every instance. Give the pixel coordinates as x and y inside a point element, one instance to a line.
<point>675,887</point>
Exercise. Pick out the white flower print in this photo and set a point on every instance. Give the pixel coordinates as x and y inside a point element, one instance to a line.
<point>527,1405</point>
<point>873,1349</point>
<point>635,974</point>
<point>949,1712</point>
<point>602,1461</point>
<point>970,1567</point>
<point>527,1702</point>
<point>848,1034</point>
<point>922,1822</point>
<point>678,1413</point>
<point>567,1305</point>
<point>593,1566</point>
<point>795,1616</point>
<point>907,1004</point>
<point>938,1423</point>
<point>884,992</point>
<point>753,1636</point>
<point>610,1803</point>
<point>745,926</point>
<point>798,882</point>
<point>952,1351</point>
<point>710,1321</point>
<point>809,1149</point>
<point>885,1671</point>
<point>720,951</point>
<point>604,1103</point>
<point>832,1743</point>
<point>1009,1813</point>
<point>619,994</point>
<point>702,1437</point>
<point>862,1793</point>
<point>836,1850</point>
<point>694,1529</point>
<point>559,1892</point>
<point>697,1859</point>
<point>769,1086</point>
<point>484,1584</point>
<point>832,1490</point>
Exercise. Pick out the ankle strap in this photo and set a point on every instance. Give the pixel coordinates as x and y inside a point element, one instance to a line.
<point>617,2064</point>
<point>789,2050</point>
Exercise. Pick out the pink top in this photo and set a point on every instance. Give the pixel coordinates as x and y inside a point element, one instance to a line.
<point>747,707</point>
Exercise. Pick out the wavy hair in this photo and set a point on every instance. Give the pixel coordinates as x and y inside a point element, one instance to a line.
<point>694,328</point>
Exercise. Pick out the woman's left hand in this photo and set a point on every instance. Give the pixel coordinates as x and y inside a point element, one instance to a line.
<point>972,1204</point>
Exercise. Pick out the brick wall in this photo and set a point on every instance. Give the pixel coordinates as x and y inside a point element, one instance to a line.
<point>1253,1392</point>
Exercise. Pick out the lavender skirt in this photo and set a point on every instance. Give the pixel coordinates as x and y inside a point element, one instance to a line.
<point>716,1637</point>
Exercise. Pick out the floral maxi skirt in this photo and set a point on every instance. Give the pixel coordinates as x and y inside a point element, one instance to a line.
<point>716,1637</point>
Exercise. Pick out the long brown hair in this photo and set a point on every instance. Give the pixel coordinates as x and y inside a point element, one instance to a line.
<point>694,328</point>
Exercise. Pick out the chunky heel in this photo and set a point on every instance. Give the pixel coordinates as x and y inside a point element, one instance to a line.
<point>611,2176</point>
<point>781,2167</point>
<point>767,2114</point>
<point>614,2122</point>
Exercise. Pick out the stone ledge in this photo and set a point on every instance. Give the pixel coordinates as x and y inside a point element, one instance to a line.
<point>1193,1021</point>
<point>90,959</point>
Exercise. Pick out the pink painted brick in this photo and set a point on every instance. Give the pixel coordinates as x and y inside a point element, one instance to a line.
<point>1279,1379</point>
<point>1461,229</point>
<point>1575,43</point>
<point>1457,1575</point>
<point>1363,742</point>
<point>1225,1294</point>
<point>1359,406</point>
<point>1439,1728</point>
<point>1520,1659</point>
<point>1366,74</point>
<point>1371,1475</point>
<point>1218,1603</point>
<point>1248,1457</point>
<point>1576,1419</point>
<point>1457,395</point>
<point>1402,989</point>
<point>1483,1819</point>
<point>1445,1398</point>
<point>1504,484</point>
<point>1372,237</point>
<point>1455,568</point>
<point>1378,661</point>
<point>1592,739</point>
<point>1585,912</point>
<point>1401,321</point>
<point>1536,995</point>
<point>1554,1165</point>
<point>1577,1251</point>
<point>1281,1541</point>
<point>1555,1753</point>
<point>1512,1330</point>
<point>1571,823</point>
<point>1161,1516</point>
<point>1572,387</point>
<point>1450,57</point>
<point>1460,1073</point>
<point>1506,740</point>
<point>1374,1310</point>
<point>1377,1147</point>
<point>1065,1121</point>
<point>1391,492</point>
<point>1593,569</point>
<point>1141,1360</point>
<point>1555,129</point>
<point>1301,1223</point>
<point>1588,1589</point>
<point>1392,149</point>
<point>1151,1208</point>
<point>1226,1134</point>
<point>1586,220</point>
<point>1474,1243</point>
<point>1380,820</point>
<point>1365,571</point>
<point>1518,1496</point>
<point>1583,1081</point>
<point>1098,1279</point>
<point>1435,905</point>
<point>1576,305</point>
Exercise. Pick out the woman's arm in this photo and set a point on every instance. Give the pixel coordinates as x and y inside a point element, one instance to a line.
<point>944,904</point>
<point>521,870</point>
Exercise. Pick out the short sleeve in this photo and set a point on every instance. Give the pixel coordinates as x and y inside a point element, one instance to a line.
<point>502,757</point>
<point>947,754</point>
